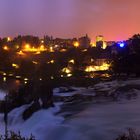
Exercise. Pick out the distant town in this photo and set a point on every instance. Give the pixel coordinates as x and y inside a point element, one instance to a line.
<point>27,57</point>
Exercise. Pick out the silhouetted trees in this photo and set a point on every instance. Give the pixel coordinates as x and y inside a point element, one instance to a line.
<point>128,58</point>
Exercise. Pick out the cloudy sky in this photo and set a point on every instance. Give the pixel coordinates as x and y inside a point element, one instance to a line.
<point>115,19</point>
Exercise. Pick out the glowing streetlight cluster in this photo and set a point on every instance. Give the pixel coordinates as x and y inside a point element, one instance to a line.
<point>72,61</point>
<point>28,48</point>
<point>67,71</point>
<point>15,65</point>
<point>121,44</point>
<point>76,44</point>
<point>103,67</point>
<point>6,48</point>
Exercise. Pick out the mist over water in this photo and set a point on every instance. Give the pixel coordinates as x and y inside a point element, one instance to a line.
<point>97,121</point>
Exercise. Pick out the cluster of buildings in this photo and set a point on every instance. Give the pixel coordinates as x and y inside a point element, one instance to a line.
<point>35,46</point>
<point>82,42</point>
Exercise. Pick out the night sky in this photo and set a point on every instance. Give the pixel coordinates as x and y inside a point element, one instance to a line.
<point>115,19</point>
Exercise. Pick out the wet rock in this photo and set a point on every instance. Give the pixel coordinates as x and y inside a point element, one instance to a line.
<point>47,103</point>
<point>30,110</point>
<point>79,98</point>
<point>66,89</point>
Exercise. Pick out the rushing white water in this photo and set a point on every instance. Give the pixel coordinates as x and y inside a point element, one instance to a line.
<point>98,121</point>
<point>39,124</point>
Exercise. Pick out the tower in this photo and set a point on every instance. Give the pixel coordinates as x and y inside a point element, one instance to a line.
<point>99,41</point>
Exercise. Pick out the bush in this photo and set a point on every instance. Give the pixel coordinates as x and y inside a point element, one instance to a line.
<point>15,136</point>
<point>130,135</point>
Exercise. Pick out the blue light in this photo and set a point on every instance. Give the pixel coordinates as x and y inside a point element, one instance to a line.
<point>122,44</point>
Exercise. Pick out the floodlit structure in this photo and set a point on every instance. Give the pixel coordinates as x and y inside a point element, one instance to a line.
<point>92,68</point>
<point>29,48</point>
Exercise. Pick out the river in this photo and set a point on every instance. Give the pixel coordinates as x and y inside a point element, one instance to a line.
<point>103,120</point>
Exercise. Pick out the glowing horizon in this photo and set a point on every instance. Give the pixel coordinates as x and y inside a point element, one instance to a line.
<point>115,20</point>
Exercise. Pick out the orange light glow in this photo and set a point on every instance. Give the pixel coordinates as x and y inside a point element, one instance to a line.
<point>104,45</point>
<point>28,48</point>
<point>93,44</point>
<point>104,66</point>
<point>8,39</point>
<point>72,61</point>
<point>76,44</point>
<point>66,70</point>
<point>20,53</point>
<point>15,65</point>
<point>6,48</point>
<point>51,62</point>
<point>51,49</point>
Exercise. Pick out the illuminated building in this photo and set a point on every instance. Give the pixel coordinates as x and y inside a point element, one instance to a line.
<point>93,68</point>
<point>67,72</point>
<point>104,45</point>
<point>92,44</point>
<point>99,41</point>
<point>99,38</point>
<point>84,41</point>
<point>28,48</point>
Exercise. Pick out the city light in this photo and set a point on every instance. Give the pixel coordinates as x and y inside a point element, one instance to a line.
<point>4,79</point>
<point>72,61</point>
<point>11,74</point>
<point>104,45</point>
<point>63,50</point>
<point>20,53</point>
<point>42,41</point>
<point>66,70</point>
<point>51,49</point>
<point>52,77</point>
<point>38,52</point>
<point>6,48</point>
<point>51,62</point>
<point>17,47</point>
<point>26,79</point>
<point>18,77</point>
<point>93,44</point>
<point>34,62</point>
<point>42,48</point>
<point>76,44</point>
<point>84,50</point>
<point>121,44</point>
<point>4,74</point>
<point>92,68</point>
<point>69,75</point>
<point>8,39</point>
<point>15,65</point>
<point>28,48</point>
